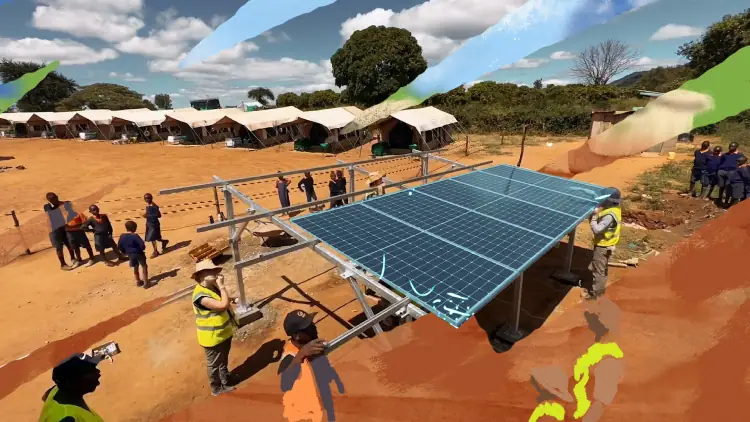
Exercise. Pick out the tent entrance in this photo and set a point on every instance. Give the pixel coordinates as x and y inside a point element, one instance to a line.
<point>401,136</point>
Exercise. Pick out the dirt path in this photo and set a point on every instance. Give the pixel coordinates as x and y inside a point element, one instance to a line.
<point>161,370</point>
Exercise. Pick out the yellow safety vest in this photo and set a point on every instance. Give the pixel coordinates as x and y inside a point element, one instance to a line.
<point>213,327</point>
<point>54,411</point>
<point>611,236</point>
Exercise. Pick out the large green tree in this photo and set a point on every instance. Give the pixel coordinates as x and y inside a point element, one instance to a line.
<point>261,95</point>
<point>288,99</point>
<point>163,101</point>
<point>323,99</point>
<point>375,62</point>
<point>45,96</point>
<point>721,40</point>
<point>104,96</point>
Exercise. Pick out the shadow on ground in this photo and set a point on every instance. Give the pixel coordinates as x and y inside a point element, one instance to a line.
<point>266,354</point>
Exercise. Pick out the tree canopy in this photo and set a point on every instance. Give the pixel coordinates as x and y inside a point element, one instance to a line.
<point>598,64</point>
<point>719,41</point>
<point>163,101</point>
<point>261,95</point>
<point>288,99</point>
<point>375,62</point>
<point>45,96</point>
<point>105,96</point>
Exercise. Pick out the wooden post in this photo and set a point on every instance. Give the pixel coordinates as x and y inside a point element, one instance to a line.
<point>18,226</point>
<point>216,203</point>
<point>523,143</point>
<point>467,145</point>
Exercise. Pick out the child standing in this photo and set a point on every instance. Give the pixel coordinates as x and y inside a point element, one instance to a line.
<point>739,182</point>
<point>699,166</point>
<point>341,184</point>
<point>74,229</point>
<point>102,228</point>
<point>153,226</point>
<point>307,185</point>
<point>132,245</point>
<point>710,179</point>
<point>727,165</point>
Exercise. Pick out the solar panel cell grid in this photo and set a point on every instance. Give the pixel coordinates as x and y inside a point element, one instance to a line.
<point>445,279</point>
<point>416,209</point>
<point>547,222</point>
<point>570,205</point>
<point>517,174</point>
<point>492,183</point>
<point>458,193</point>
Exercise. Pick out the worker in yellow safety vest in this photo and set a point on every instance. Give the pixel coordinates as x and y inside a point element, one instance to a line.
<point>216,324</point>
<point>606,222</point>
<point>74,377</point>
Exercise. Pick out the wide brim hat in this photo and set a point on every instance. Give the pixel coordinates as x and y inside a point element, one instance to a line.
<point>202,266</point>
<point>375,176</point>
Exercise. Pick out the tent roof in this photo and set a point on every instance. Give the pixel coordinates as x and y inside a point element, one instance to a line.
<point>263,119</point>
<point>99,117</point>
<point>203,118</point>
<point>354,110</point>
<point>16,117</point>
<point>331,118</point>
<point>55,119</point>
<point>424,119</point>
<point>140,118</point>
<point>181,110</point>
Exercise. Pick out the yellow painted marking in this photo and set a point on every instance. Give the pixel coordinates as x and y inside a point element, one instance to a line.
<point>593,355</point>
<point>548,409</point>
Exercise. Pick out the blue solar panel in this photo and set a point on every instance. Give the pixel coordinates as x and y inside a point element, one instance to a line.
<point>547,222</point>
<point>445,279</point>
<point>492,183</point>
<point>458,193</point>
<point>416,209</point>
<point>452,245</point>
<point>517,174</point>
<point>355,230</point>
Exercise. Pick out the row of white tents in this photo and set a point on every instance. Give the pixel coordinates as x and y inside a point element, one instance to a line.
<point>235,126</point>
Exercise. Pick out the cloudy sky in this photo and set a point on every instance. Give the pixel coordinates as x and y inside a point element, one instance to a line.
<point>138,43</point>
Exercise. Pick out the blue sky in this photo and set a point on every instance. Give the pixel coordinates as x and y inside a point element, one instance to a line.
<point>139,43</point>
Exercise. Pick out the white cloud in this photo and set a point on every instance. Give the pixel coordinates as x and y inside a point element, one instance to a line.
<point>173,38</point>
<point>128,77</point>
<point>525,64</point>
<point>562,55</point>
<point>645,63</point>
<point>109,20</point>
<point>217,20</point>
<point>637,4</point>
<point>68,52</point>
<point>672,31</point>
<point>278,37</point>
<point>440,26</point>
<point>548,82</point>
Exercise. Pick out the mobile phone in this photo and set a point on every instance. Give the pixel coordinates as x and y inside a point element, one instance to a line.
<point>106,350</point>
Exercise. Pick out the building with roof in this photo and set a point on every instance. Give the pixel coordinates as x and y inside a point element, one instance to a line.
<point>260,128</point>
<point>424,128</point>
<point>322,128</point>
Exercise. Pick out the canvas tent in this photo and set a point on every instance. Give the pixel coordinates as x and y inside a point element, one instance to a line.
<point>143,122</point>
<point>98,122</point>
<point>265,127</point>
<point>323,126</point>
<point>425,128</point>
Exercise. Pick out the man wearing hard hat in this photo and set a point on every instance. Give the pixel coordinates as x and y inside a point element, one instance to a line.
<point>606,222</point>
<point>216,324</point>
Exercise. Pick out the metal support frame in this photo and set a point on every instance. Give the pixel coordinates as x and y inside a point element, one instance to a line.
<point>361,328</point>
<point>365,172</point>
<point>569,252</point>
<point>399,305</point>
<point>275,175</point>
<point>265,214</point>
<point>425,168</point>
<point>517,296</point>
<point>235,245</point>
<point>365,306</point>
<point>352,183</point>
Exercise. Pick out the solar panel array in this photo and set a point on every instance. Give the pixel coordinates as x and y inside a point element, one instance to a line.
<point>453,245</point>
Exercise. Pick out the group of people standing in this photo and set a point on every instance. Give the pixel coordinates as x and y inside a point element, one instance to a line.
<point>729,171</point>
<point>69,228</point>
<point>337,185</point>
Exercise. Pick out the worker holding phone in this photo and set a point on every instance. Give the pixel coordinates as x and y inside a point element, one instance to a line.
<point>74,377</point>
<point>215,323</point>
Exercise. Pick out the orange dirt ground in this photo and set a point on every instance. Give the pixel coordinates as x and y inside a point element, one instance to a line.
<point>161,369</point>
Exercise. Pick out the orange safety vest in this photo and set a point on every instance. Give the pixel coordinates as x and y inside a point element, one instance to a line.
<point>302,402</point>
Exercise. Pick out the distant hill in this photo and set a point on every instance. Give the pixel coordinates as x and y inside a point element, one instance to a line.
<point>660,79</point>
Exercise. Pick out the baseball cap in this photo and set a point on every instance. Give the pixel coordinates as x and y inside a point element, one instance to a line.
<point>73,367</point>
<point>615,197</point>
<point>297,321</point>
